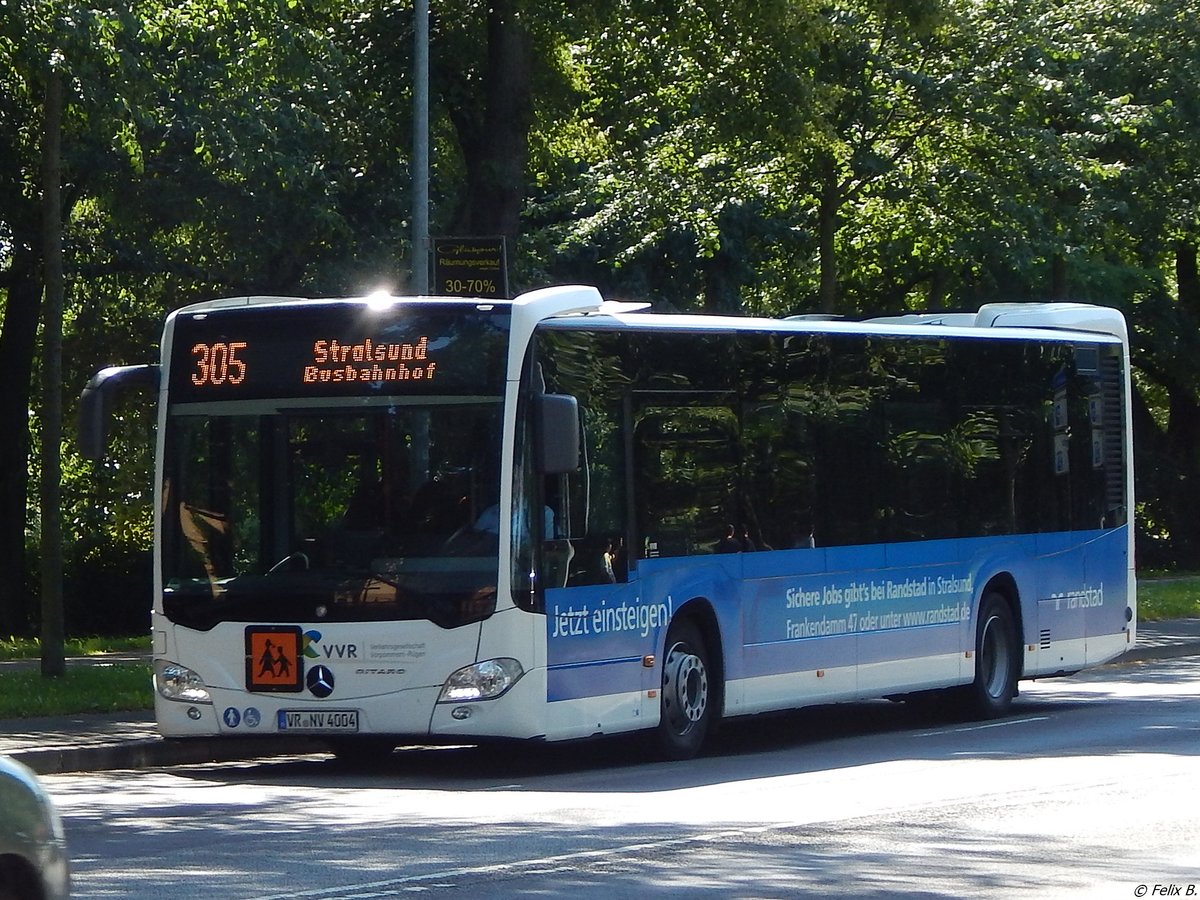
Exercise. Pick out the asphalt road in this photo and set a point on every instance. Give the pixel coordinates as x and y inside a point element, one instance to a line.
<point>1089,789</point>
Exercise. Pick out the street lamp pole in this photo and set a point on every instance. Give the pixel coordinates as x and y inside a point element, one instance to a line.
<point>420,155</point>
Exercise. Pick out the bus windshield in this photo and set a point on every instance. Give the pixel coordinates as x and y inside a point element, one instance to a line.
<point>384,511</point>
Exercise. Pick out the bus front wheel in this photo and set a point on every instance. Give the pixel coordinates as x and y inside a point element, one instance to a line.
<point>996,660</point>
<point>686,698</point>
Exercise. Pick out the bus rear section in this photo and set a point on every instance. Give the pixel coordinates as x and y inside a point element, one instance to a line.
<point>837,510</point>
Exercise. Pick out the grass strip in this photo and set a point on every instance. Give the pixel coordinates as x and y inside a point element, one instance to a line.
<point>83,689</point>
<point>31,648</point>
<point>1168,598</point>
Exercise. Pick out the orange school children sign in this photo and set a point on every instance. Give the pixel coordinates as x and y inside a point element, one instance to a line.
<point>273,658</point>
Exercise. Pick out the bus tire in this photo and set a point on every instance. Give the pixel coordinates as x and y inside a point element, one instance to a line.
<point>997,660</point>
<point>687,695</point>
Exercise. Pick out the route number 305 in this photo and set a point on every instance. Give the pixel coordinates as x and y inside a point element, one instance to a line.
<point>218,364</point>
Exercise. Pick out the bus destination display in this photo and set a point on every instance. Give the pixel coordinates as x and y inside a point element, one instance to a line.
<point>336,350</point>
<point>370,361</point>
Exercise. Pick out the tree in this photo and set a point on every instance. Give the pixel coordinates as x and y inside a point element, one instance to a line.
<point>53,662</point>
<point>30,38</point>
<point>1145,151</point>
<point>159,169</point>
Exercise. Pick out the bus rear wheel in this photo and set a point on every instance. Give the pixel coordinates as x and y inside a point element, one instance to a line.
<point>996,660</point>
<point>686,698</point>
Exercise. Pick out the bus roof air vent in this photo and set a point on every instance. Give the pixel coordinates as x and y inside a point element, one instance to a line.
<point>947,319</point>
<point>618,307</point>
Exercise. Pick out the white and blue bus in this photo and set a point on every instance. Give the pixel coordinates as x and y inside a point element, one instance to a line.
<point>385,520</point>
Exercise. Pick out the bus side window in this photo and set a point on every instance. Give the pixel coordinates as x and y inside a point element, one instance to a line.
<point>687,470</point>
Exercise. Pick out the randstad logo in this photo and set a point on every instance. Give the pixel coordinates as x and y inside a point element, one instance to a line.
<point>314,649</point>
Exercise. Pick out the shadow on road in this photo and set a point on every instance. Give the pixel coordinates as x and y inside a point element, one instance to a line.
<point>809,740</point>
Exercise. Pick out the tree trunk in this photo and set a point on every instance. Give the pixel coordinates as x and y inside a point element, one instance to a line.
<point>830,206</point>
<point>938,284</point>
<point>17,342</point>
<point>1182,442</point>
<point>495,141</point>
<point>721,287</point>
<point>1187,276</point>
<point>1183,430</point>
<point>1058,277</point>
<point>53,631</point>
<point>1183,434</point>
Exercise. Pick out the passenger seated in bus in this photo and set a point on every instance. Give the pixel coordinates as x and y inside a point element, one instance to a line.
<point>365,511</point>
<point>438,509</point>
<point>729,543</point>
<point>747,542</point>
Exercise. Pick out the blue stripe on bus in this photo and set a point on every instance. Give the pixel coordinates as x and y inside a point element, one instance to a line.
<point>573,682</point>
<point>799,610</point>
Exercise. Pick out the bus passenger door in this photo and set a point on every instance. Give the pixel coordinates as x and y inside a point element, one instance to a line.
<point>597,633</point>
<point>689,522</point>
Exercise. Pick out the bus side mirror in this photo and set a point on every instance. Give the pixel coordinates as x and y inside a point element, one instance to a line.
<point>557,434</point>
<point>95,404</point>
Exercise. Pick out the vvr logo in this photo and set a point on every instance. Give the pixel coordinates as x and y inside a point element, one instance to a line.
<point>314,649</point>
<point>308,649</point>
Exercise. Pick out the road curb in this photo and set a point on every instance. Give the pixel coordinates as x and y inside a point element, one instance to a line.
<point>156,752</point>
<point>1149,654</point>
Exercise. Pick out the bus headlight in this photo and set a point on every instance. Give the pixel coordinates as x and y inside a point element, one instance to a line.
<point>176,682</point>
<point>485,680</point>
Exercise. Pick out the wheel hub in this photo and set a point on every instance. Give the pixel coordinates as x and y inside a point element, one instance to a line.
<point>686,686</point>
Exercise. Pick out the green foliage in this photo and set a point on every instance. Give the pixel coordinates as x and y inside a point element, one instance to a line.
<point>674,193</point>
<point>747,156</point>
